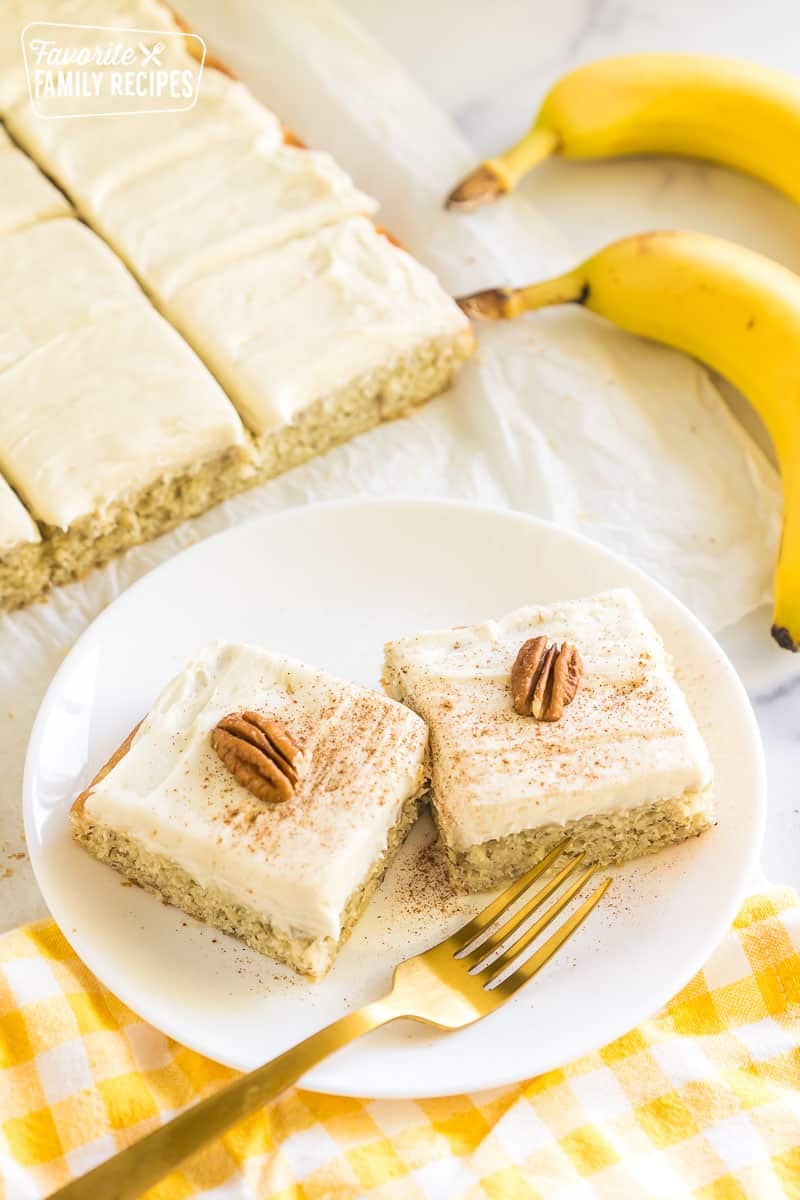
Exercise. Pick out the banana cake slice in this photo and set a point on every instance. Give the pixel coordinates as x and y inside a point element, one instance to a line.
<point>322,338</point>
<point>224,201</point>
<point>553,721</point>
<point>262,796</point>
<point>111,428</point>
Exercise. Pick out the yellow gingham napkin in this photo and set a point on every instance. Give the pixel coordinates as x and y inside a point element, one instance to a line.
<point>703,1100</point>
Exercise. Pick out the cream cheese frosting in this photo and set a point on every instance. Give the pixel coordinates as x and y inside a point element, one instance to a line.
<point>197,189</point>
<point>97,414</point>
<point>94,158</point>
<point>57,277</point>
<point>285,327</point>
<point>261,253</point>
<point>295,863</point>
<point>627,739</point>
<point>223,202</point>
<point>16,14</point>
<point>26,195</point>
<point>16,526</point>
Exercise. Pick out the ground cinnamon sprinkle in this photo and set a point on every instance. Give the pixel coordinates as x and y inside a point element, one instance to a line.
<point>424,894</point>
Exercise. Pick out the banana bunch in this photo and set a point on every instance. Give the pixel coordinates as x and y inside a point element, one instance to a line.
<point>729,307</point>
<point>730,112</point>
<point>733,309</point>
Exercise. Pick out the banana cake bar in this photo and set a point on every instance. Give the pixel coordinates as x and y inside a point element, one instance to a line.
<point>323,337</point>
<point>262,796</point>
<point>111,428</point>
<point>553,721</point>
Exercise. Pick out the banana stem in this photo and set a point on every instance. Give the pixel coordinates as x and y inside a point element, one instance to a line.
<point>570,288</point>
<point>537,145</point>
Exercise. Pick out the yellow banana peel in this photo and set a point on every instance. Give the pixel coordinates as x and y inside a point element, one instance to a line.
<point>726,111</point>
<point>733,309</point>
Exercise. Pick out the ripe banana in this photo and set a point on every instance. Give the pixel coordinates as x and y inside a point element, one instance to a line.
<point>729,307</point>
<point>731,112</point>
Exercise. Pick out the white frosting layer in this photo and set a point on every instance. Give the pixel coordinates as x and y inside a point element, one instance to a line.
<point>16,526</point>
<point>96,157</point>
<point>180,193</point>
<point>16,14</point>
<point>225,201</point>
<point>98,412</point>
<point>295,863</point>
<point>627,739</point>
<point>286,327</point>
<point>26,196</point>
<point>56,278</point>
<point>260,253</point>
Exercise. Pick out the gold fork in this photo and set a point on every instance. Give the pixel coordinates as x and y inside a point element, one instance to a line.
<point>454,984</point>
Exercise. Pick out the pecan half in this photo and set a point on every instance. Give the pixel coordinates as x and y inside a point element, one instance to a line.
<point>544,679</point>
<point>260,753</point>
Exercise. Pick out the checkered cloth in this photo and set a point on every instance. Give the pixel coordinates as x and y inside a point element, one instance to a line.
<point>703,1100</point>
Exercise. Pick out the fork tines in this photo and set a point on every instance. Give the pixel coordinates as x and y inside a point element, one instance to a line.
<point>496,952</point>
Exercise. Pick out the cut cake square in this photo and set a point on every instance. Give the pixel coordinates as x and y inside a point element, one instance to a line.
<point>114,434</point>
<point>323,337</point>
<point>222,202</point>
<point>111,428</point>
<point>623,772</point>
<point>289,877</point>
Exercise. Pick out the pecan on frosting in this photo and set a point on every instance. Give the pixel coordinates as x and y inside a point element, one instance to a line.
<point>544,679</point>
<point>260,753</point>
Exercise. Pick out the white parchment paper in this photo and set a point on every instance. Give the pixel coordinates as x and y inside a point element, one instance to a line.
<point>558,415</point>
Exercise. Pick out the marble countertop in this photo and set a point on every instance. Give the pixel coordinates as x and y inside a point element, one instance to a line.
<point>489,62</point>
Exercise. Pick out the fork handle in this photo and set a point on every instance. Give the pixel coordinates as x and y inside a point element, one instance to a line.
<point>142,1164</point>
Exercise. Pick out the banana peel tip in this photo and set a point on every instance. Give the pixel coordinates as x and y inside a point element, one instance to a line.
<point>481,186</point>
<point>784,638</point>
<point>485,306</point>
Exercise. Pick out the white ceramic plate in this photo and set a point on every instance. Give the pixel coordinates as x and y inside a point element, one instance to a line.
<point>330,584</point>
